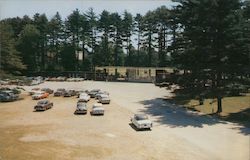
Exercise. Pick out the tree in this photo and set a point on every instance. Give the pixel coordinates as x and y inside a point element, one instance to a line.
<point>138,29</point>
<point>246,30</point>
<point>10,59</point>
<point>68,57</point>
<point>92,21</point>
<point>127,24</point>
<point>211,50</point>
<point>116,34</point>
<point>104,25</point>
<point>74,27</point>
<point>92,35</point>
<point>148,31</point>
<point>55,36</point>
<point>41,23</point>
<point>27,45</point>
<point>161,15</point>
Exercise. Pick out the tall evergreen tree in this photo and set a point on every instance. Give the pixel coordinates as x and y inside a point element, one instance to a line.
<point>41,23</point>
<point>127,24</point>
<point>211,36</point>
<point>27,45</point>
<point>55,37</point>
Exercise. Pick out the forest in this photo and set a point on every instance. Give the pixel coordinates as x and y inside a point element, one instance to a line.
<point>191,35</point>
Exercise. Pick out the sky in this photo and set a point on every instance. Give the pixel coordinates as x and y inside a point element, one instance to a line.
<point>14,8</point>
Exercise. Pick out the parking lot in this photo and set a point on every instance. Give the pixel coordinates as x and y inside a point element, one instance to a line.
<point>57,133</point>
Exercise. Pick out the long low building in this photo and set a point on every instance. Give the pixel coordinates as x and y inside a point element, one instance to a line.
<point>138,74</point>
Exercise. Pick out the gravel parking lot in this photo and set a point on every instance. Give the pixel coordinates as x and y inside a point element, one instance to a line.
<point>58,134</point>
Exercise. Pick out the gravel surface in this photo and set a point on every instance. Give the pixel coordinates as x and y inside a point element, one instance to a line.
<point>58,134</point>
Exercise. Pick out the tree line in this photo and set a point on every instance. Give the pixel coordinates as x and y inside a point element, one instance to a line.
<point>105,39</point>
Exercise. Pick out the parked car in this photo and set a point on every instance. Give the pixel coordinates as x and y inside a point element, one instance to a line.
<point>40,95</point>
<point>104,99</point>
<point>48,90</point>
<point>78,79</point>
<point>93,92</point>
<point>141,121</point>
<point>97,95</point>
<point>33,91</point>
<point>69,93</point>
<point>70,79</point>
<point>81,108</point>
<point>84,97</point>
<point>43,105</point>
<point>2,82</point>
<point>15,90</point>
<point>59,92</point>
<point>61,78</point>
<point>97,109</point>
<point>79,92</point>
<point>7,96</point>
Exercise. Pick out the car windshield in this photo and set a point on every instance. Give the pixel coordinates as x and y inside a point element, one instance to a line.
<point>42,102</point>
<point>81,106</point>
<point>141,117</point>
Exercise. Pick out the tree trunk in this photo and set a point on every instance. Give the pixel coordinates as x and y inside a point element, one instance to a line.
<point>219,104</point>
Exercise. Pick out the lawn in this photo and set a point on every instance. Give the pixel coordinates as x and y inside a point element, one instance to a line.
<point>233,108</point>
<point>229,105</point>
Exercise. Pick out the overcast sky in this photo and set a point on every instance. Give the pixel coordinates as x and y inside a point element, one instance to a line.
<point>13,8</point>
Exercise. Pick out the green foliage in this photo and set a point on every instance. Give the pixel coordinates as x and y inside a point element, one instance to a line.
<point>10,59</point>
<point>68,58</point>
<point>213,45</point>
<point>209,39</point>
<point>27,45</point>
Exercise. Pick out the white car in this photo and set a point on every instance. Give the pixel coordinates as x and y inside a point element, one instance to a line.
<point>84,97</point>
<point>97,95</point>
<point>141,121</point>
<point>81,108</point>
<point>93,92</point>
<point>97,109</point>
<point>104,99</point>
<point>100,96</point>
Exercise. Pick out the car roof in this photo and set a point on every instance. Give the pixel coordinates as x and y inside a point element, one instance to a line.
<point>83,94</point>
<point>7,91</point>
<point>97,105</point>
<point>104,95</point>
<point>43,101</point>
<point>39,92</point>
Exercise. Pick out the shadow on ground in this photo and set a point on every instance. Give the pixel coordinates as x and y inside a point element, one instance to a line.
<point>176,116</point>
<point>136,129</point>
<point>166,113</point>
<point>242,118</point>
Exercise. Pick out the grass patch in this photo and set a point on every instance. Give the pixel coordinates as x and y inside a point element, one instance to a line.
<point>236,109</point>
<point>229,105</point>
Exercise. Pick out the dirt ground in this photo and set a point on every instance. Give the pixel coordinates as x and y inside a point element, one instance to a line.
<point>58,134</point>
